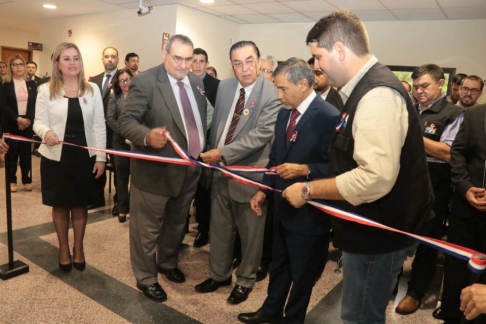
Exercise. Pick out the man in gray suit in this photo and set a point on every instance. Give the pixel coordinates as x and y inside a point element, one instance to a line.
<point>165,98</point>
<point>243,123</point>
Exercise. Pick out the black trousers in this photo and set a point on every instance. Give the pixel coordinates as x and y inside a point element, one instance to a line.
<point>295,262</point>
<point>425,261</point>
<point>268,234</point>
<point>20,151</point>
<point>122,175</point>
<point>468,232</point>
<point>203,205</point>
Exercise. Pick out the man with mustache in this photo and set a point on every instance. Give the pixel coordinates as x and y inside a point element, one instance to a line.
<point>470,91</point>
<point>440,121</point>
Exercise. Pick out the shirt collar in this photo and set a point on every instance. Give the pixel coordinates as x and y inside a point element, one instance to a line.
<point>112,73</point>
<point>247,89</point>
<point>174,81</point>
<point>204,75</point>
<point>306,103</point>
<point>419,106</point>
<point>346,91</point>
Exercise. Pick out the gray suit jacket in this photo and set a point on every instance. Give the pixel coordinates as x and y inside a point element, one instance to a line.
<point>151,103</point>
<point>253,136</point>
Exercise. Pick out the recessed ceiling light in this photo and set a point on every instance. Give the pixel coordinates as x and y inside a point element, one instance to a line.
<point>206,1</point>
<point>49,6</point>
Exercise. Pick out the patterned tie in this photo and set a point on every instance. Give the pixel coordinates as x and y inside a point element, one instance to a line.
<point>291,127</point>
<point>240,104</point>
<point>192,133</point>
<point>105,85</point>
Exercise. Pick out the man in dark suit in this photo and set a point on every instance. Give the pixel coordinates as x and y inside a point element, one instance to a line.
<point>103,81</point>
<point>242,131</point>
<point>324,89</point>
<point>467,220</point>
<point>201,62</point>
<point>203,193</point>
<point>163,98</point>
<point>31,70</point>
<point>303,132</point>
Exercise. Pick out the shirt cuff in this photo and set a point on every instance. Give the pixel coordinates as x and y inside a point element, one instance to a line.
<point>345,189</point>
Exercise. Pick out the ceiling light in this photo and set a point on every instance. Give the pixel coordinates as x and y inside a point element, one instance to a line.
<point>206,1</point>
<point>49,6</point>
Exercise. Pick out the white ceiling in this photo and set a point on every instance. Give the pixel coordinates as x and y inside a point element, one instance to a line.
<point>26,14</point>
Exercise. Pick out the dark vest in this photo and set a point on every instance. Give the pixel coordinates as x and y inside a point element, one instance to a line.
<point>432,123</point>
<point>408,205</point>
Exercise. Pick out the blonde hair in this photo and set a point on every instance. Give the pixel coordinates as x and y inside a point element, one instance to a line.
<point>56,83</point>
<point>12,58</point>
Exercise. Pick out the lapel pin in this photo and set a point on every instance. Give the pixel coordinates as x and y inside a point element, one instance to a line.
<point>246,112</point>
<point>85,101</point>
<point>253,103</point>
<point>201,91</point>
<point>294,137</point>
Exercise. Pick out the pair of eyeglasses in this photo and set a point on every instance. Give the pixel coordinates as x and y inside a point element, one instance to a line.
<point>472,90</point>
<point>239,65</point>
<point>178,60</point>
<point>126,80</point>
<point>267,71</point>
<point>17,64</point>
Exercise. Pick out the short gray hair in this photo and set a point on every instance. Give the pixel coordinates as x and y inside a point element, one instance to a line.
<point>181,38</point>
<point>295,69</point>
<point>271,59</point>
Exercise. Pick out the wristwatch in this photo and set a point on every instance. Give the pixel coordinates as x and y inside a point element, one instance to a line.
<point>305,191</point>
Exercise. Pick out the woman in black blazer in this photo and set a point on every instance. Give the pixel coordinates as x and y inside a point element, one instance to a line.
<point>17,103</point>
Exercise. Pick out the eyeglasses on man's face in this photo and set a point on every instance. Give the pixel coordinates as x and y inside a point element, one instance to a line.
<point>17,64</point>
<point>473,91</point>
<point>267,71</point>
<point>178,60</point>
<point>239,64</point>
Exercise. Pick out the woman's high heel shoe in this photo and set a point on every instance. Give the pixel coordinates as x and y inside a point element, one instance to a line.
<point>80,266</point>
<point>66,267</point>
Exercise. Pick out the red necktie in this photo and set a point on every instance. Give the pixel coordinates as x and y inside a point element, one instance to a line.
<point>193,140</point>
<point>291,127</point>
<point>240,104</point>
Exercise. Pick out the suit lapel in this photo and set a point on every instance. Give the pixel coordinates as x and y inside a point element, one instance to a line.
<point>251,104</point>
<point>223,116</point>
<point>302,121</point>
<point>200,100</point>
<point>168,96</point>
<point>280,135</point>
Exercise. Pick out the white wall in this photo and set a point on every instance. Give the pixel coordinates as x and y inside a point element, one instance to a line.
<point>453,43</point>
<point>124,30</point>
<point>210,33</point>
<point>19,39</point>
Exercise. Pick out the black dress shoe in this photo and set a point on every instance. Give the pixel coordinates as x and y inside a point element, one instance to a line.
<point>261,273</point>
<point>153,292</point>
<point>211,285</point>
<point>239,295</point>
<point>174,275</point>
<point>202,239</point>
<point>115,211</point>
<point>122,218</point>
<point>258,318</point>
<point>437,314</point>
<point>236,262</point>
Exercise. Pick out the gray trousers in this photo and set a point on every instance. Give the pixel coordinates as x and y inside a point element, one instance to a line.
<point>227,216</point>
<point>157,228</point>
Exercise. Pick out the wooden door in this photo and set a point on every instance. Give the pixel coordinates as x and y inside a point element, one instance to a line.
<point>9,51</point>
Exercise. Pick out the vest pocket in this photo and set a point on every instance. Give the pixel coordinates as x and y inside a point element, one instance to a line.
<point>342,142</point>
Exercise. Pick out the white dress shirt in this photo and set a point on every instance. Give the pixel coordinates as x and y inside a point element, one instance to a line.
<point>195,110</point>
<point>302,108</point>
<point>232,110</point>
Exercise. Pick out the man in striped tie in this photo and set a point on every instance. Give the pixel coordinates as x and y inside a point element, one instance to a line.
<point>241,134</point>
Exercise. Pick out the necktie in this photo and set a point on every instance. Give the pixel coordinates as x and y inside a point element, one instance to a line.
<point>192,133</point>
<point>291,127</point>
<point>240,104</point>
<point>105,85</point>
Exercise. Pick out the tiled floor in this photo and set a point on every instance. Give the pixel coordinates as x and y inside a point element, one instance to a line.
<point>106,291</point>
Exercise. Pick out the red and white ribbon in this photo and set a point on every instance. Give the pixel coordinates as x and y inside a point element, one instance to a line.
<point>477,260</point>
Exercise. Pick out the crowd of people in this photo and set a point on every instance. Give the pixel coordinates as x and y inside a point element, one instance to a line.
<point>339,127</point>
